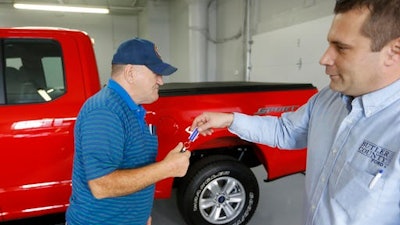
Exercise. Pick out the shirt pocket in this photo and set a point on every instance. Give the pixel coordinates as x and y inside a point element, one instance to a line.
<point>353,194</point>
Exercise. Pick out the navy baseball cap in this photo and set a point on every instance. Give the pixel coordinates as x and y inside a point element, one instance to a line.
<point>138,51</point>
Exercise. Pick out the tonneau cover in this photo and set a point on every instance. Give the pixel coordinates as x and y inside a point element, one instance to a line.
<point>196,88</point>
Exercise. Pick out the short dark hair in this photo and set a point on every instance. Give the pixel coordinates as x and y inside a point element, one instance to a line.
<point>383,23</point>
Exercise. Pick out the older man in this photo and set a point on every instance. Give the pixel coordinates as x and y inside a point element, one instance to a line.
<point>114,163</point>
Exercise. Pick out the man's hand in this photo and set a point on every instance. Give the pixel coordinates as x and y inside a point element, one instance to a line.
<point>149,221</point>
<point>208,120</point>
<point>177,162</point>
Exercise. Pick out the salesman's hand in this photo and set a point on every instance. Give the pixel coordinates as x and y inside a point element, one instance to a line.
<point>208,120</point>
<point>177,162</point>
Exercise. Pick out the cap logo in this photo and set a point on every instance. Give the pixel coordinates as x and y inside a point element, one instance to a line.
<point>156,51</point>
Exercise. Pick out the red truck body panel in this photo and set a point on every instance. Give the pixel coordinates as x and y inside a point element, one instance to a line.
<point>36,139</point>
<point>180,103</point>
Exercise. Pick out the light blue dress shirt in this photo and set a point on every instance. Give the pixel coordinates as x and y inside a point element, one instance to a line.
<point>349,142</point>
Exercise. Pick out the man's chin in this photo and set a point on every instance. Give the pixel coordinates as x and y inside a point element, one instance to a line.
<point>334,86</point>
<point>155,98</point>
<point>149,101</point>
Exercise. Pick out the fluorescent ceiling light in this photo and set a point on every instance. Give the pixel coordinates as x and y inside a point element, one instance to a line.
<point>61,8</point>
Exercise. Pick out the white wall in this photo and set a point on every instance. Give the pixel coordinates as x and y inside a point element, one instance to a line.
<point>180,44</point>
<point>154,23</point>
<point>230,47</point>
<point>271,15</point>
<point>284,33</point>
<point>291,54</point>
<point>179,41</point>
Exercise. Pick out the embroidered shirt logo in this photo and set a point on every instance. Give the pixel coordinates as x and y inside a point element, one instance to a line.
<point>378,155</point>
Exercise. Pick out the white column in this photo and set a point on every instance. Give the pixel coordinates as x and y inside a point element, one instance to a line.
<point>198,20</point>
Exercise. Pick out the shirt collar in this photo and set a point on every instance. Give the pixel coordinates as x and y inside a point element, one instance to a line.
<point>378,100</point>
<point>112,84</point>
<point>347,100</point>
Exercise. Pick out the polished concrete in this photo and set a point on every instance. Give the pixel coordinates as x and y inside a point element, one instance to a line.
<point>280,204</point>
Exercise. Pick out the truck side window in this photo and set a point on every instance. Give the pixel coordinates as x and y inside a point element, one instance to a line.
<point>33,70</point>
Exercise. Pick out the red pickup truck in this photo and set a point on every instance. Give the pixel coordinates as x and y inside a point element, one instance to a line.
<point>46,75</point>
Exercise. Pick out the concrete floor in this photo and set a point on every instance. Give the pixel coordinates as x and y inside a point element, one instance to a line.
<point>280,204</point>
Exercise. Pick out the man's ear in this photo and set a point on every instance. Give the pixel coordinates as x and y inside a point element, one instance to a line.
<point>129,73</point>
<point>393,53</point>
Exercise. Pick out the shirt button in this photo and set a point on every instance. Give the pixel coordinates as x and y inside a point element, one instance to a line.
<point>334,151</point>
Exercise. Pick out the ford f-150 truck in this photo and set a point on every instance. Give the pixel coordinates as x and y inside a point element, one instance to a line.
<point>46,74</point>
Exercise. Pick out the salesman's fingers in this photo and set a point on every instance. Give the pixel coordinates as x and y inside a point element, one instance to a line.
<point>204,123</point>
<point>198,121</point>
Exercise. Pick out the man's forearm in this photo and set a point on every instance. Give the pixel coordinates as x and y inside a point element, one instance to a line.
<point>127,181</point>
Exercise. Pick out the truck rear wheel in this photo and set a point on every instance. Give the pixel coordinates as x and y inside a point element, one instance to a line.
<point>218,190</point>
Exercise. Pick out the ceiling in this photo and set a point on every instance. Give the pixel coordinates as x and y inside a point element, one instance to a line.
<point>128,7</point>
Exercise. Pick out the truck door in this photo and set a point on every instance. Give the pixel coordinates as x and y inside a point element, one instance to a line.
<point>36,128</point>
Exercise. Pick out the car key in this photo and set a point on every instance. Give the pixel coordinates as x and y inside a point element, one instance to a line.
<point>192,137</point>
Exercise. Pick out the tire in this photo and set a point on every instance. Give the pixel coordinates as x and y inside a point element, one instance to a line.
<point>218,190</point>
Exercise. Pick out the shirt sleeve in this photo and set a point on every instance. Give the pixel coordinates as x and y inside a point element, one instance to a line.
<point>289,131</point>
<point>102,143</point>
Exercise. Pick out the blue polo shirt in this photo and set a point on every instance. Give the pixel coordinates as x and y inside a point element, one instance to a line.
<point>110,134</point>
<point>349,142</point>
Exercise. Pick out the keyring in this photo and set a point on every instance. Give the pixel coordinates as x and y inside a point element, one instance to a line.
<point>186,146</point>
<point>192,137</point>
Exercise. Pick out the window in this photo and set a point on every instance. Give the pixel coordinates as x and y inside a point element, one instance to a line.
<point>33,70</point>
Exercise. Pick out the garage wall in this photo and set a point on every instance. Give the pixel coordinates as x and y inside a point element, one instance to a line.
<point>289,39</point>
<point>271,15</point>
<point>230,40</point>
<point>179,41</point>
<point>285,33</point>
<point>166,23</point>
<point>290,54</point>
<point>154,25</point>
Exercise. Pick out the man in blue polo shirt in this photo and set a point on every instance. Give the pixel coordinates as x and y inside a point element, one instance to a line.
<point>351,128</point>
<point>115,166</point>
